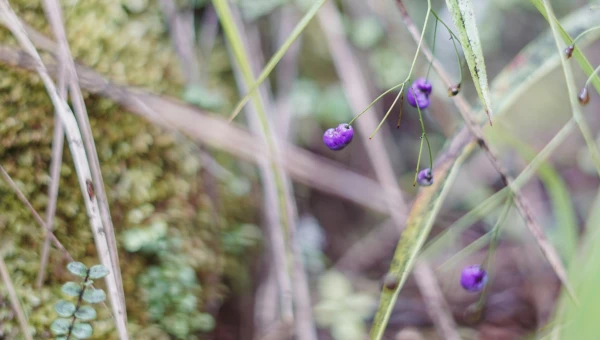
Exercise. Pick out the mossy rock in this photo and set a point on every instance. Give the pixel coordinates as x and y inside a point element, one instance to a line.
<point>151,176</point>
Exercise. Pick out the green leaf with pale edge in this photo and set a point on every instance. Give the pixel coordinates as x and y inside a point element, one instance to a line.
<point>71,288</point>
<point>92,295</point>
<point>86,313</point>
<point>62,337</point>
<point>98,271</point>
<point>464,19</point>
<point>82,330</point>
<point>64,308</point>
<point>77,268</point>
<point>533,63</point>
<point>60,326</point>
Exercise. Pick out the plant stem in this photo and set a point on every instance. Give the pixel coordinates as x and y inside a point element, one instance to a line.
<point>487,262</point>
<point>591,77</point>
<point>432,48</point>
<point>412,67</point>
<point>79,299</point>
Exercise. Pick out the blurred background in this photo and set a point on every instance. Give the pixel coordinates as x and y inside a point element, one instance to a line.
<point>186,189</point>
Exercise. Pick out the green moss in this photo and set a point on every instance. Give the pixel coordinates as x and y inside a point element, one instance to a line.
<point>150,176</point>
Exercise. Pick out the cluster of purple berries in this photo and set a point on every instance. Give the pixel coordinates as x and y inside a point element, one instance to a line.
<point>473,278</point>
<point>338,138</point>
<point>418,94</point>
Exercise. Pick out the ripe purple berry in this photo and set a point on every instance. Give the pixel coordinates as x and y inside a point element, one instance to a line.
<point>473,278</point>
<point>419,93</point>
<point>346,133</point>
<point>424,85</point>
<point>425,177</point>
<point>338,138</point>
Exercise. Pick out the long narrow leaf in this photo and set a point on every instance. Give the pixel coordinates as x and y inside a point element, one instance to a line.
<point>464,19</point>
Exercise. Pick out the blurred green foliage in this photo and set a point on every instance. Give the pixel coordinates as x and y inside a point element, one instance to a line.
<point>341,309</point>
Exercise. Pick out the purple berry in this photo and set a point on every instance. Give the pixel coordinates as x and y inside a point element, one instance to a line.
<point>425,177</point>
<point>338,138</point>
<point>414,96</point>
<point>346,133</point>
<point>473,278</point>
<point>424,85</point>
<point>330,138</point>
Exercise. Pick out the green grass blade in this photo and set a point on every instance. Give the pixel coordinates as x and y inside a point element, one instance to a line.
<point>278,55</point>
<point>528,67</point>
<point>464,19</point>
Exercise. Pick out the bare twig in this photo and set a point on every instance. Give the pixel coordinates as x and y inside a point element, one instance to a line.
<point>287,70</point>
<point>474,128</point>
<point>14,299</point>
<point>53,12</point>
<point>58,140</point>
<point>82,167</point>
<point>25,201</point>
<point>181,30</point>
<point>437,306</point>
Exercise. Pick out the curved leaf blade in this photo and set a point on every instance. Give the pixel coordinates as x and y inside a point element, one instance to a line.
<point>464,19</point>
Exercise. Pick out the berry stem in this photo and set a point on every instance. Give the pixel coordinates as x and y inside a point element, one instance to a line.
<point>487,261</point>
<point>376,100</point>
<point>589,80</point>
<point>423,136</point>
<point>583,33</point>
<point>401,109</point>
<point>412,66</point>
<point>388,112</point>
<point>432,49</point>
<point>418,160</point>
<point>454,39</point>
<point>458,62</point>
